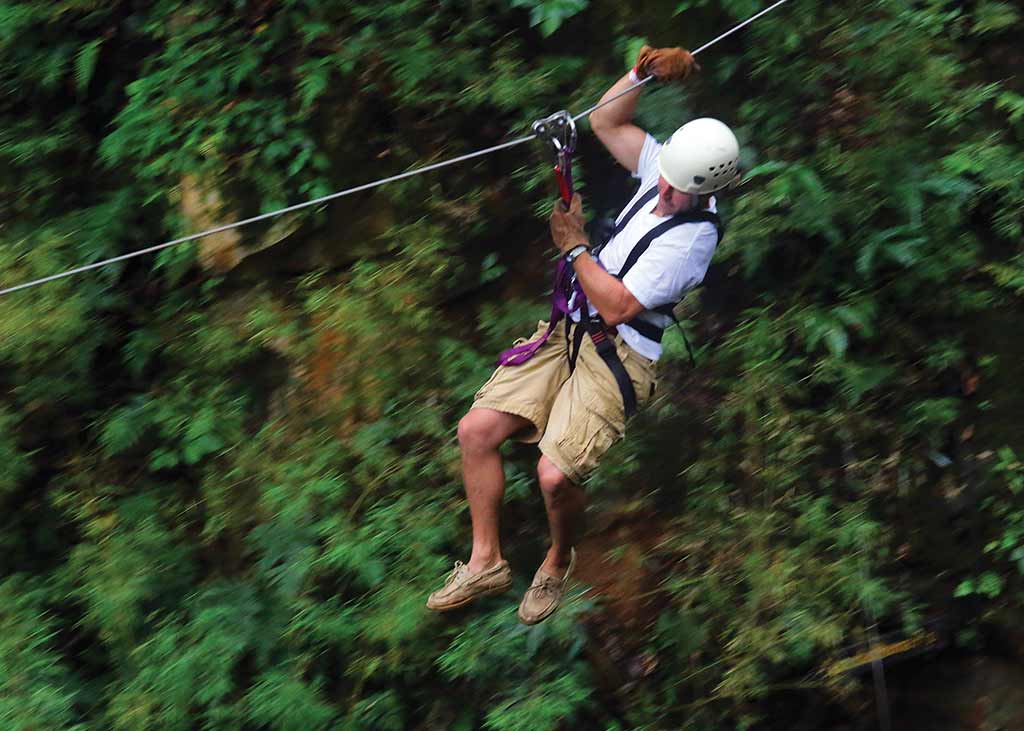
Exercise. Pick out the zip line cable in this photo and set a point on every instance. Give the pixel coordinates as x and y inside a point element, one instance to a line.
<point>365,186</point>
<point>271,214</point>
<point>706,46</point>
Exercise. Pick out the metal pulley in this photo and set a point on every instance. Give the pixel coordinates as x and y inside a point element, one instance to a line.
<point>559,130</point>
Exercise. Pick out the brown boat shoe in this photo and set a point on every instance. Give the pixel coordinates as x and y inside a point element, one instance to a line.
<point>463,586</point>
<point>545,594</point>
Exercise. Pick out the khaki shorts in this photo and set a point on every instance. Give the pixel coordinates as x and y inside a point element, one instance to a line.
<point>576,417</point>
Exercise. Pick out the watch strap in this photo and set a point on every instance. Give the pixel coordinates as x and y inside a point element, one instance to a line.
<point>575,252</point>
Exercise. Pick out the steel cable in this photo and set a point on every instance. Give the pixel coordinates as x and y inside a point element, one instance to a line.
<point>359,188</point>
<point>706,46</point>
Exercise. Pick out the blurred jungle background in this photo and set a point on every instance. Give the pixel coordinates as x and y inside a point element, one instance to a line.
<point>228,471</point>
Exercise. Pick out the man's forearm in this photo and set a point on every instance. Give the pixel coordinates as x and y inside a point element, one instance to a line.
<point>620,111</point>
<point>605,292</point>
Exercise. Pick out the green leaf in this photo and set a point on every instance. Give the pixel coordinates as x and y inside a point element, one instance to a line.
<point>964,588</point>
<point>550,14</point>
<point>85,64</point>
<point>163,459</point>
<point>125,428</point>
<point>990,584</point>
<point>837,341</point>
<point>992,17</point>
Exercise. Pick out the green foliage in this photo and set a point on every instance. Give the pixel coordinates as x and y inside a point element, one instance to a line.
<point>231,491</point>
<point>186,668</point>
<point>36,687</point>
<point>16,463</point>
<point>550,14</point>
<point>995,16</point>
<point>281,701</point>
<point>549,683</point>
<point>1007,545</point>
<point>185,434</point>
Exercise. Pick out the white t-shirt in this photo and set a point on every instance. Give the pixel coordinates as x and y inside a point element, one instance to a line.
<point>675,262</point>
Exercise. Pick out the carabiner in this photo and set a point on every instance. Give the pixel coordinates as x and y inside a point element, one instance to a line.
<point>559,130</point>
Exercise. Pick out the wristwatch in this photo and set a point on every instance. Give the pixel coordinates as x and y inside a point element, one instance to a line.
<point>575,251</point>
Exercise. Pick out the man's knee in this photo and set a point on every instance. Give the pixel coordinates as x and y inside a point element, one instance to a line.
<point>479,430</point>
<point>553,482</point>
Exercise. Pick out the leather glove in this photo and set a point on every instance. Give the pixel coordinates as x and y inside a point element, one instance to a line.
<point>665,64</point>
<point>567,225</point>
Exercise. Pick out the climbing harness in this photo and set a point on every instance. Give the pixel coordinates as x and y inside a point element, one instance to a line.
<point>568,297</point>
<point>367,186</point>
<point>640,323</point>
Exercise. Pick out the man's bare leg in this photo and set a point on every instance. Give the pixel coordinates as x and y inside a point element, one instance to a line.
<point>481,433</point>
<point>565,502</point>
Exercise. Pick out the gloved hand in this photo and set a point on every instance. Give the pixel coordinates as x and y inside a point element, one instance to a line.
<point>665,64</point>
<point>567,226</point>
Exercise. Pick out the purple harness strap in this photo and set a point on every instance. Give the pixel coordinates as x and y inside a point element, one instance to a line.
<point>559,308</point>
<point>560,130</point>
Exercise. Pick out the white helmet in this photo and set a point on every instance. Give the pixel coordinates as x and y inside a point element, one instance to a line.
<point>701,157</point>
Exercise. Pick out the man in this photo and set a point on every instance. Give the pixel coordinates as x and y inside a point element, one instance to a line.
<point>573,396</point>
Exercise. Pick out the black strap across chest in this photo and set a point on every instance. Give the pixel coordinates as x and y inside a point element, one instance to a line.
<point>646,328</point>
<point>647,239</point>
<point>596,328</point>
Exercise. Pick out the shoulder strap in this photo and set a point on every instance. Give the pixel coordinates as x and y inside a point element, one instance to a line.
<point>645,198</point>
<point>677,220</point>
<point>647,329</point>
<point>626,218</point>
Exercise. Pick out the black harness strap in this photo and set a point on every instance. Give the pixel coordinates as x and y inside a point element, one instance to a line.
<point>655,332</point>
<point>646,328</point>
<point>677,220</point>
<point>596,328</point>
<point>605,347</point>
<point>645,198</point>
<point>575,342</point>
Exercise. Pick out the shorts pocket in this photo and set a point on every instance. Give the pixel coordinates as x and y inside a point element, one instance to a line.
<point>588,441</point>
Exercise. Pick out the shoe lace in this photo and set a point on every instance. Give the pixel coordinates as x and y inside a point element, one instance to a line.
<point>455,573</point>
<point>546,585</point>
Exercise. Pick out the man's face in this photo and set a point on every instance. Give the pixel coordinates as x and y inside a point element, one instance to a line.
<point>673,201</point>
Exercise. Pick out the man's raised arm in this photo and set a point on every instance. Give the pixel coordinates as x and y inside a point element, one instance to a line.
<point>613,124</point>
